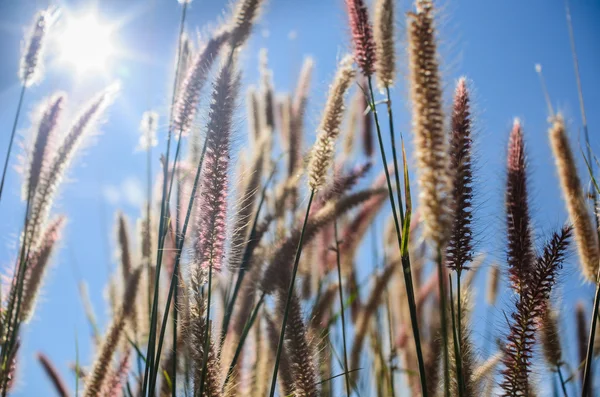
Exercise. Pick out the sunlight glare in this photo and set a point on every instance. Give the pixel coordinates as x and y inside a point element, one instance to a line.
<point>86,44</point>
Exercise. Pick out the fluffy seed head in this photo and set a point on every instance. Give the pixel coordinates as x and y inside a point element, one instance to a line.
<point>520,255</point>
<point>43,143</point>
<point>53,374</point>
<point>428,125</point>
<point>459,251</point>
<point>323,150</point>
<point>30,71</point>
<point>362,35</point>
<point>51,178</point>
<point>186,104</point>
<point>212,209</point>
<point>36,268</point>
<point>148,128</point>
<point>585,235</point>
<point>243,18</point>
<point>385,65</point>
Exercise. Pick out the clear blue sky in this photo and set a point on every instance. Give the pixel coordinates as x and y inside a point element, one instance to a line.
<point>493,43</point>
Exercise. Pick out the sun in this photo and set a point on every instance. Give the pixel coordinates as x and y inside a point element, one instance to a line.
<point>86,44</point>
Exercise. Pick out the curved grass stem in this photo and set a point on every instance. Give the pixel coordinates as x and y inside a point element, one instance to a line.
<point>12,137</point>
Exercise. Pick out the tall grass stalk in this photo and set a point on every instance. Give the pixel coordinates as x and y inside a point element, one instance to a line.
<point>456,320</point>
<point>341,296</point>
<point>289,296</point>
<point>175,276</point>
<point>164,202</point>
<point>443,322</point>
<point>406,270</point>
<point>12,137</point>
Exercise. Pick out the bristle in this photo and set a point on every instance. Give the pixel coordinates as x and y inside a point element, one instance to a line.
<point>57,381</point>
<point>115,384</point>
<point>428,125</point>
<point>459,251</point>
<point>323,150</point>
<point>385,49</point>
<point>43,143</point>
<point>520,256</point>
<point>96,379</point>
<point>362,35</point>
<point>585,235</point>
<point>126,261</point>
<point>212,205</point>
<point>244,15</point>
<point>148,128</point>
<point>550,338</point>
<point>184,60</point>
<point>530,308</point>
<point>30,71</point>
<point>186,104</point>
<point>50,180</point>
<point>246,204</point>
<point>36,268</point>
<point>493,284</point>
<point>298,110</point>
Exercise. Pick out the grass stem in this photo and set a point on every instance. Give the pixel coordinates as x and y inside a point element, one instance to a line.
<point>12,136</point>
<point>289,297</point>
<point>406,271</point>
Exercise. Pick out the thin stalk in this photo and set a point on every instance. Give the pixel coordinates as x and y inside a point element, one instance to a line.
<point>562,380</point>
<point>12,136</point>
<point>207,330</point>
<point>443,321</point>
<point>488,331</point>
<point>245,260</point>
<point>391,334</point>
<point>289,297</point>
<point>394,155</point>
<point>179,249</point>
<point>174,373</point>
<point>242,340</point>
<point>580,96</point>
<point>455,335</point>
<point>163,205</point>
<point>341,294</point>
<point>590,350</point>
<point>406,271</point>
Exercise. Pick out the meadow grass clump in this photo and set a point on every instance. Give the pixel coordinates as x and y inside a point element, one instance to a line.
<point>265,268</point>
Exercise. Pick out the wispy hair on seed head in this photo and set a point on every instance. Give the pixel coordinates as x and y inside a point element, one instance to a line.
<point>385,48</point>
<point>428,124</point>
<point>31,69</point>
<point>323,150</point>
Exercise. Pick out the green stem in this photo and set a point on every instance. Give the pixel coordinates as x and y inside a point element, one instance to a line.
<point>456,336</point>
<point>179,250</point>
<point>443,321</point>
<point>341,295</point>
<point>406,271</point>
<point>12,136</point>
<point>562,381</point>
<point>207,330</point>
<point>394,155</point>
<point>590,350</point>
<point>289,297</point>
<point>163,207</point>
<point>242,340</point>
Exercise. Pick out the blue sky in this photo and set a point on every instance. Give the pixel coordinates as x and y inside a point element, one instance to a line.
<point>495,44</point>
